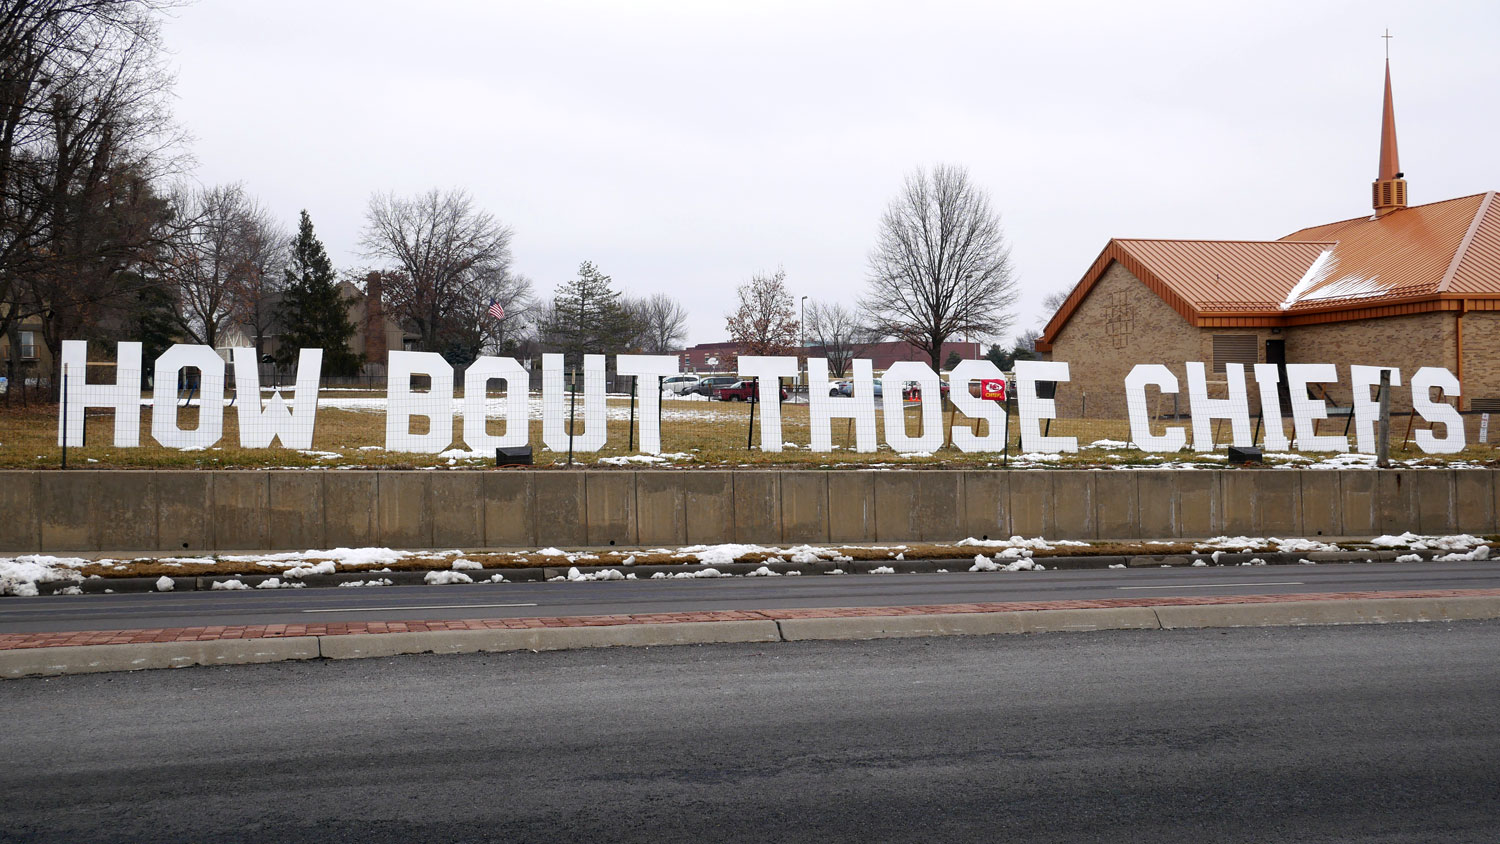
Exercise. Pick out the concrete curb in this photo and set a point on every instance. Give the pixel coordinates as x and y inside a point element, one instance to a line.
<point>363,645</point>
<point>85,659</point>
<point>90,659</point>
<point>967,624</point>
<point>1298,613</point>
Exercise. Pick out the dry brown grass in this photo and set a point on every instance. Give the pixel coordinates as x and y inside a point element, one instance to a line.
<point>28,440</point>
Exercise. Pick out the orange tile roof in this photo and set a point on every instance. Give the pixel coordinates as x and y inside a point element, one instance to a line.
<point>1427,257</point>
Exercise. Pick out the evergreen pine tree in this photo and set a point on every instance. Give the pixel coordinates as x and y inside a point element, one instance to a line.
<point>312,313</point>
<point>588,318</point>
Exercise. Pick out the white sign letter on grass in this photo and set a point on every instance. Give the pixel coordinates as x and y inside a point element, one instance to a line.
<point>123,397</point>
<point>974,407</point>
<point>1205,410</point>
<point>1156,375</point>
<point>650,369</point>
<point>210,397</point>
<point>1267,382</point>
<point>1033,410</point>
<point>1307,411</point>
<point>930,406</point>
<point>823,408</point>
<point>1366,406</point>
<point>294,425</point>
<point>402,404</point>
<point>476,402</point>
<point>1437,412</point>
<point>555,403</point>
<point>769,371</point>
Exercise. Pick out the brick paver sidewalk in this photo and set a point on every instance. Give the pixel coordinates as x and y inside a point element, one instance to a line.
<point>11,641</point>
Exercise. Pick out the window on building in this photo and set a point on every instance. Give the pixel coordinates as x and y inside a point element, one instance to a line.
<point>28,345</point>
<point>1234,348</point>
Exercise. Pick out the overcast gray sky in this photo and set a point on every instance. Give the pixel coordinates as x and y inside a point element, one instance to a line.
<point>684,146</point>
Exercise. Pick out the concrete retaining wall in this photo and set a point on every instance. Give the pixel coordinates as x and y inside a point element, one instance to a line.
<point>187,511</point>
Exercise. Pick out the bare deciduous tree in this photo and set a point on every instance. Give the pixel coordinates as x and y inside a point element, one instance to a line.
<point>836,331</point>
<point>941,267</point>
<point>662,322</point>
<point>223,246</point>
<point>451,257</point>
<point>84,131</point>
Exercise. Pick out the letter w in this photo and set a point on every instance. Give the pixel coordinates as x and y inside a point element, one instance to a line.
<point>294,425</point>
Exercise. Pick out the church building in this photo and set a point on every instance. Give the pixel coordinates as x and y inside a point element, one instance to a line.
<point>1406,286</point>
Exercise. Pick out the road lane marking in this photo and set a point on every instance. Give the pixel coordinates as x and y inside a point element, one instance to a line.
<point>1222,585</point>
<point>433,607</point>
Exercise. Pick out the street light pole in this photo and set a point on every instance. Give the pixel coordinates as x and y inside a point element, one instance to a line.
<point>802,330</point>
<point>804,323</point>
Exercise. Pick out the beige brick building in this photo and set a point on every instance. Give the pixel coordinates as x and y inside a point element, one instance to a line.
<point>1406,287</point>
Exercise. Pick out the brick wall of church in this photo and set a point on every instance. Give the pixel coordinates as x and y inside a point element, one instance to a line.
<point>1120,324</point>
<point>1407,342</point>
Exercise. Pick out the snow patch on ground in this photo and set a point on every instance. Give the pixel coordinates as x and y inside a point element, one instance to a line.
<point>325,567</point>
<point>165,584</point>
<point>445,578</point>
<point>379,581</point>
<point>19,576</point>
<point>1037,543</point>
<point>882,570</point>
<point>1420,542</point>
<point>689,575</point>
<point>229,585</point>
<point>983,563</point>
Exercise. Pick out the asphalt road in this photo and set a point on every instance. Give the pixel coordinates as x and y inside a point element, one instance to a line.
<point>1369,734</point>
<point>188,609</point>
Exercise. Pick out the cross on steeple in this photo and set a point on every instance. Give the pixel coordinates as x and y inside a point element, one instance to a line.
<point>1387,36</point>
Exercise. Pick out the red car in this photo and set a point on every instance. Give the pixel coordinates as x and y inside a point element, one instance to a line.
<point>742,391</point>
<point>910,392</point>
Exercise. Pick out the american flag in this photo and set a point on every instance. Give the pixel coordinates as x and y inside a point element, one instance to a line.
<point>496,311</point>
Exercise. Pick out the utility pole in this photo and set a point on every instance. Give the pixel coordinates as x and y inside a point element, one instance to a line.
<point>1383,428</point>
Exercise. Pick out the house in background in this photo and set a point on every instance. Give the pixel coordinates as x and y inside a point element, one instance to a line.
<point>375,333</point>
<point>23,355</point>
<point>1406,287</point>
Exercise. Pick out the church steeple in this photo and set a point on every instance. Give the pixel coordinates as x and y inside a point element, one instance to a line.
<point>1389,189</point>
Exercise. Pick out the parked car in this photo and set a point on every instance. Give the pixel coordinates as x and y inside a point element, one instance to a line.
<point>909,391</point>
<point>742,391</point>
<point>846,388</point>
<point>706,386</point>
<point>678,384</point>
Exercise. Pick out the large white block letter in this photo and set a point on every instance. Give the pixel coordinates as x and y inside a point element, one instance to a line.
<point>555,404</point>
<point>974,407</point>
<point>294,424</point>
<point>1437,412</point>
<point>402,404</point>
<point>823,408</point>
<point>476,404</point>
<point>1033,410</point>
<point>769,371</point>
<point>210,397</point>
<point>1155,375</point>
<point>1267,383</point>
<point>123,396</point>
<point>1307,411</point>
<point>650,369</point>
<point>1366,406</point>
<point>1205,410</point>
<point>929,405</point>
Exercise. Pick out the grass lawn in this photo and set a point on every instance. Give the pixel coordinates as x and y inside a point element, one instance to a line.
<point>694,434</point>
